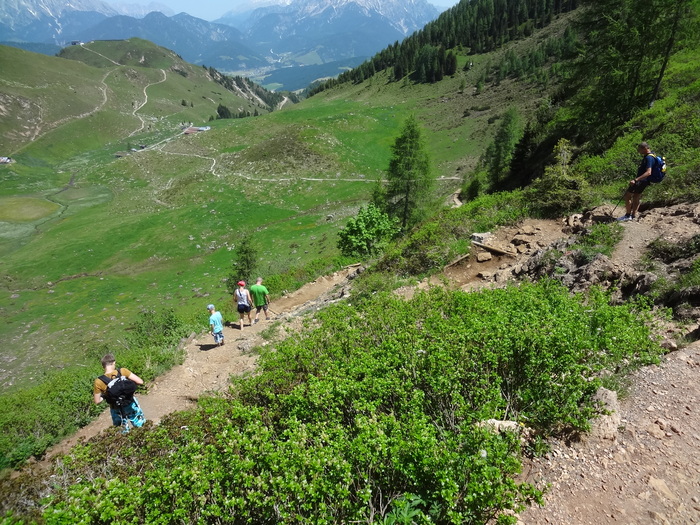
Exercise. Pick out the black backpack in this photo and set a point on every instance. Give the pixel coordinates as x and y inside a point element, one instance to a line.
<point>120,390</point>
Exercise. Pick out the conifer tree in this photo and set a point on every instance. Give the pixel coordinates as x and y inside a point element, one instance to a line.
<point>623,61</point>
<point>410,181</point>
<point>500,152</point>
<point>244,263</point>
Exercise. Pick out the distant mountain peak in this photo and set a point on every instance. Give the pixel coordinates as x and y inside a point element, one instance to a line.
<point>271,35</point>
<point>51,8</point>
<point>139,11</point>
<point>48,20</point>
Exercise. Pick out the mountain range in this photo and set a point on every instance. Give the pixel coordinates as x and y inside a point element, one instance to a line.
<point>254,40</point>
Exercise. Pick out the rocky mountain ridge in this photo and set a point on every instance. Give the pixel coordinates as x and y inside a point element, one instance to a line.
<point>404,17</point>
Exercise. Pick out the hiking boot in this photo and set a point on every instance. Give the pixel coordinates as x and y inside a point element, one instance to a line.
<point>625,218</point>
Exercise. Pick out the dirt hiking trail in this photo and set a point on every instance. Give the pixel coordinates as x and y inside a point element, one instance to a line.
<point>207,367</point>
<point>639,465</point>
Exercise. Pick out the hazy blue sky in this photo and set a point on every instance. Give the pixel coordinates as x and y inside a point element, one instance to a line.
<point>212,9</point>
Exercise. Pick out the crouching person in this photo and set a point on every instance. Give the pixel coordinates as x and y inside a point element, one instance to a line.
<point>117,386</point>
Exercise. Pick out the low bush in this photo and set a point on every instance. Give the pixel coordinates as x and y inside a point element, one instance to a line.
<point>280,283</point>
<point>368,284</point>
<point>669,252</point>
<point>600,239</point>
<point>433,244</point>
<point>371,415</point>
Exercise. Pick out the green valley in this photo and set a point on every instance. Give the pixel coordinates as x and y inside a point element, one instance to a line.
<point>152,226</point>
<point>127,200</point>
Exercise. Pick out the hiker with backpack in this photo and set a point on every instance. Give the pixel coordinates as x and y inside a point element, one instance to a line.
<point>117,386</point>
<point>244,302</point>
<point>652,169</point>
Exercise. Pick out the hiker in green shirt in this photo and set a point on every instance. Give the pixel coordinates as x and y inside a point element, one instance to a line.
<point>261,298</point>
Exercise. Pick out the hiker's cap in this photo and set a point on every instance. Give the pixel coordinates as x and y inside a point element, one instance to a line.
<point>211,307</point>
<point>241,283</point>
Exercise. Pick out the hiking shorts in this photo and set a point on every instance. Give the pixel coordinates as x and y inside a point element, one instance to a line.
<point>131,414</point>
<point>218,337</point>
<point>638,187</point>
<point>261,307</point>
<point>243,308</point>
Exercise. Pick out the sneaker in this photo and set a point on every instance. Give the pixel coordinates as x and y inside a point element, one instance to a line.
<point>625,218</point>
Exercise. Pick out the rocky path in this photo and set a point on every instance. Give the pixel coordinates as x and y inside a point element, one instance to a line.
<point>644,467</point>
<point>647,471</point>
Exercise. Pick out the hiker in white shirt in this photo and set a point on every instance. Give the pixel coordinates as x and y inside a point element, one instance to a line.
<point>243,301</point>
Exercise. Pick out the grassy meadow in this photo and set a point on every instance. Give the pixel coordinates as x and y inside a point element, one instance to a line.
<point>159,227</point>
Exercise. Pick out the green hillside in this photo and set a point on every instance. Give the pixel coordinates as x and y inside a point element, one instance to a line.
<point>98,249</point>
<point>73,213</point>
<point>172,212</point>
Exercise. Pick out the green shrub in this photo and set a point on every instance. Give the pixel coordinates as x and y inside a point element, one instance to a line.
<point>367,233</point>
<point>600,239</point>
<point>433,244</point>
<point>370,416</point>
<point>370,283</point>
<point>692,277</point>
<point>669,252</point>
<point>560,190</point>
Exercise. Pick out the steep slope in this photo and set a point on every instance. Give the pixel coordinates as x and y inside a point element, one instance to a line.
<point>639,461</point>
<point>34,99</point>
